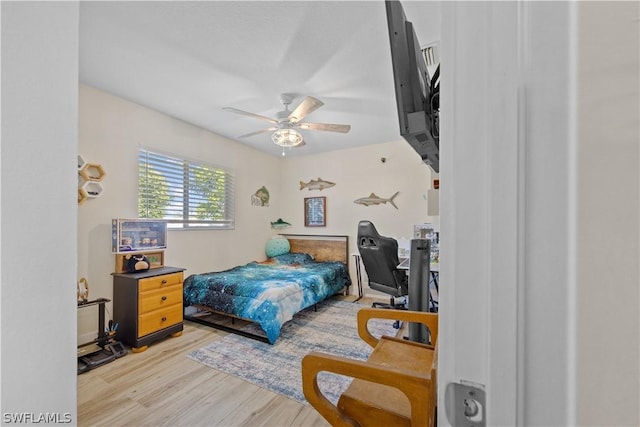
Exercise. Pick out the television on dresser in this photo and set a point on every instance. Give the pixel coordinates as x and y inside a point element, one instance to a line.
<point>417,93</point>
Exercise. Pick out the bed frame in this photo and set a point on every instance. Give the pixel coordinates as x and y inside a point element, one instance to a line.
<point>321,247</point>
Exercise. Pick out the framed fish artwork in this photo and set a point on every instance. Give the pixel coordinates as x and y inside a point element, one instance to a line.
<point>260,197</point>
<point>315,211</point>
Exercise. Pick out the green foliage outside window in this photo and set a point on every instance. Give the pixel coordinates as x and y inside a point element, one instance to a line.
<point>187,194</point>
<point>153,197</point>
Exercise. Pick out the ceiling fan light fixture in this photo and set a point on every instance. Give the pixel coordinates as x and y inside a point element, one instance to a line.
<point>286,137</point>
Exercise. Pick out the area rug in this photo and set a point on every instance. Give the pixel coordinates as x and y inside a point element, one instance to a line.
<point>331,329</point>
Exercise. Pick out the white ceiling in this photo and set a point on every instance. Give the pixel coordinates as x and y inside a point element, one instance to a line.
<point>190,59</point>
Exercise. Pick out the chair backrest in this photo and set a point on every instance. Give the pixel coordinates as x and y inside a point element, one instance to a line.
<point>380,259</point>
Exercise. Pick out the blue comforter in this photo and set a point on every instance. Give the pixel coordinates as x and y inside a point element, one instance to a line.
<point>268,293</point>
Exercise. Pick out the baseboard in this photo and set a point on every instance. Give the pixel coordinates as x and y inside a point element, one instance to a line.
<point>85,338</point>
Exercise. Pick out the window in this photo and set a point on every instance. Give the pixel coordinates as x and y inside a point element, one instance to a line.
<point>188,194</point>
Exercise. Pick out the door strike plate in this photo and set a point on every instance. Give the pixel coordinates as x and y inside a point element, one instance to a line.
<point>465,404</point>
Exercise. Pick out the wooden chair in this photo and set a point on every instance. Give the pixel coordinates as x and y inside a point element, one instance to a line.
<point>396,386</point>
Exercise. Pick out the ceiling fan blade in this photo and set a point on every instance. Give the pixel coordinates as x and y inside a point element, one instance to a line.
<point>308,105</point>
<point>258,132</point>
<point>246,113</point>
<point>326,127</point>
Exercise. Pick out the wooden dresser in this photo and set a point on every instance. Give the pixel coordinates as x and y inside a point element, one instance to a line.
<point>147,306</point>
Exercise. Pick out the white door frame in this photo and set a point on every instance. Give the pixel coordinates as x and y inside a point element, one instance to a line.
<point>507,195</point>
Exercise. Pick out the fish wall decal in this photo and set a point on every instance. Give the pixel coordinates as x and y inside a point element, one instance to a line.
<point>280,224</point>
<point>260,197</point>
<point>316,184</point>
<point>373,199</point>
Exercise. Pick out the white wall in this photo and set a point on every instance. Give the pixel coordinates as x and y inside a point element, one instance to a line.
<point>608,346</point>
<point>38,174</point>
<point>480,203</point>
<point>357,172</point>
<point>110,131</point>
<point>558,240</point>
<point>547,291</point>
<point>38,118</point>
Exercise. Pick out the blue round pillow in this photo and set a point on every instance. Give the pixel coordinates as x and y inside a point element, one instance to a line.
<point>277,245</point>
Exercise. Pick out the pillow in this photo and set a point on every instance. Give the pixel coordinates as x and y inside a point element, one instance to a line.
<point>277,245</point>
<point>137,263</point>
<point>293,258</point>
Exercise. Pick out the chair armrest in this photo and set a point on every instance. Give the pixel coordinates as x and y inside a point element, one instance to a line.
<point>416,386</point>
<point>430,320</point>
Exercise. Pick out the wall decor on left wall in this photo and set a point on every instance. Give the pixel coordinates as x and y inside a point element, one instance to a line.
<point>90,176</point>
<point>260,197</point>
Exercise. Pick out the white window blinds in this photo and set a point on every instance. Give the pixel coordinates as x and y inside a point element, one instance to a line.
<point>187,194</point>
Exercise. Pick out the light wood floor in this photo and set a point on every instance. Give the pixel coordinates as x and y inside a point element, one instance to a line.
<point>161,386</point>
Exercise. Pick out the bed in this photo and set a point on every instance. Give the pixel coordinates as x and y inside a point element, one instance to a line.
<point>269,293</point>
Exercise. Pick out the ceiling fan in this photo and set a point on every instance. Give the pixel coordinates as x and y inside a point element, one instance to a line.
<point>285,126</point>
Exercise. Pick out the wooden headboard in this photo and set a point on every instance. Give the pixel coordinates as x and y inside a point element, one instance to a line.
<point>321,248</point>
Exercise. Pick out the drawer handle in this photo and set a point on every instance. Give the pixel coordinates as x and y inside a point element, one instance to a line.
<point>164,318</point>
<point>164,281</point>
<point>164,298</point>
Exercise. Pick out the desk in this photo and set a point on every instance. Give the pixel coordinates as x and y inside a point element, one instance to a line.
<point>434,269</point>
<point>356,257</point>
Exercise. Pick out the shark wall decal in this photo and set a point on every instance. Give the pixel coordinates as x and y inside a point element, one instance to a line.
<point>373,199</point>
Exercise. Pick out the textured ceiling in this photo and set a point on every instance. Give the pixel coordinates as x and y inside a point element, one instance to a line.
<point>190,59</point>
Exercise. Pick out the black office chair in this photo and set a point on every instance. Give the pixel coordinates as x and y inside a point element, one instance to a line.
<point>380,258</point>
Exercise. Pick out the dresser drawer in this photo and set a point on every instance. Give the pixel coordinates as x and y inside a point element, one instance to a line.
<point>159,298</point>
<point>159,319</point>
<point>158,282</point>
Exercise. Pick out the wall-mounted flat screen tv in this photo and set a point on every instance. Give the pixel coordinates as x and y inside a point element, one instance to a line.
<point>417,93</point>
